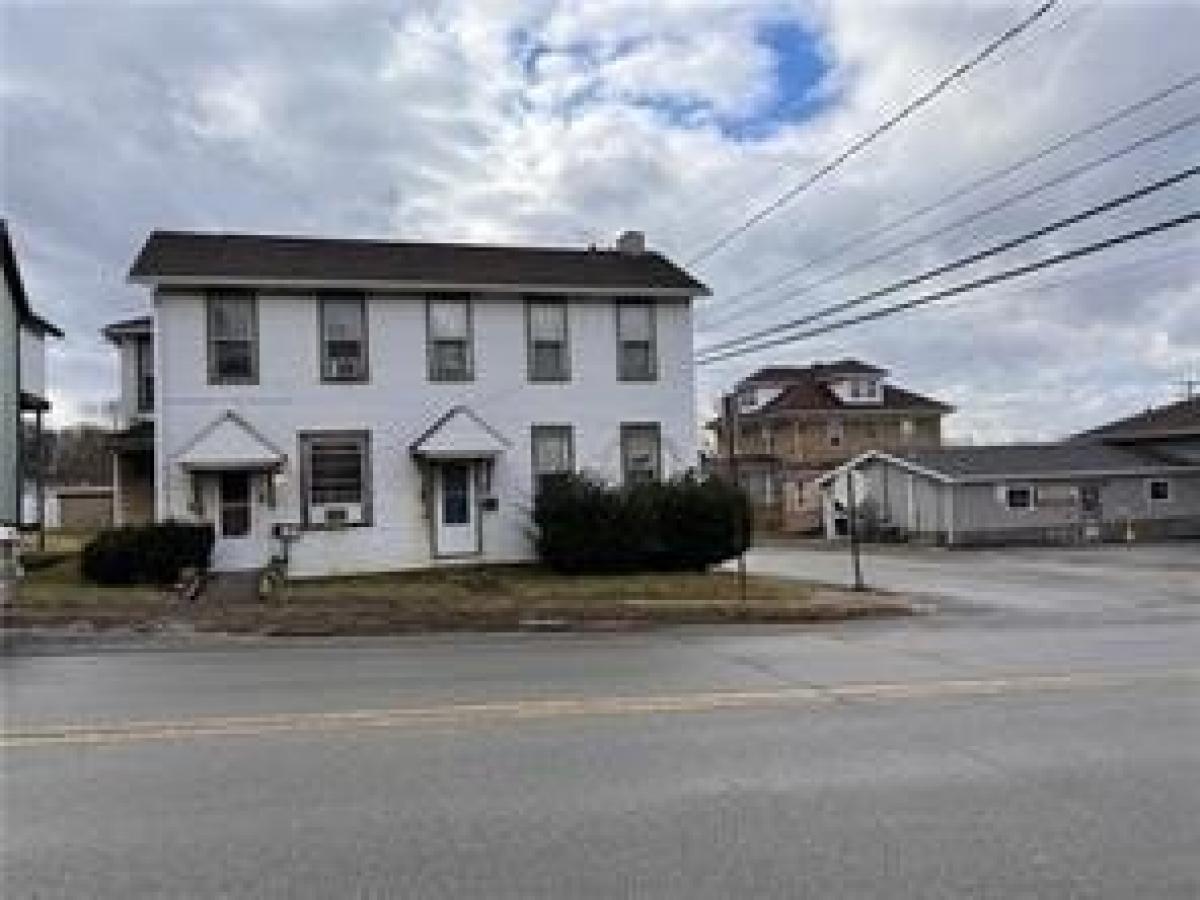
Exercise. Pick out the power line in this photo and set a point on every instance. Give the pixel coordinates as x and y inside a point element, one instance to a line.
<point>1012,199</point>
<point>961,262</point>
<point>969,286</point>
<point>704,208</point>
<point>969,188</point>
<point>857,146</point>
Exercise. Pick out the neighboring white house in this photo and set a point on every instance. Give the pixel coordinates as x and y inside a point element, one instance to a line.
<point>359,406</point>
<point>1017,493</point>
<point>22,384</point>
<point>133,443</point>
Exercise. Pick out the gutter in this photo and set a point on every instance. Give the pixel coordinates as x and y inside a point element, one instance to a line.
<point>200,282</point>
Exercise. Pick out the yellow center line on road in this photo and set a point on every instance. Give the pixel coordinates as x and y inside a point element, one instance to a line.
<point>523,710</point>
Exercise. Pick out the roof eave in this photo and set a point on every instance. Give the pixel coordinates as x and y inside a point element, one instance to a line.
<point>1140,471</point>
<point>115,333</point>
<point>203,281</point>
<point>36,323</point>
<point>874,455</point>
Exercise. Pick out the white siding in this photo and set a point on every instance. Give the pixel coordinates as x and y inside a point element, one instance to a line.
<point>126,411</point>
<point>33,363</point>
<point>399,403</point>
<point>10,494</point>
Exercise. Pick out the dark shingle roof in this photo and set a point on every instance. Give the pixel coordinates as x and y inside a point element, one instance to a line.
<point>809,394</point>
<point>113,330</point>
<point>1034,459</point>
<point>199,257</point>
<point>818,371</point>
<point>1174,419</point>
<point>16,287</point>
<point>806,388</point>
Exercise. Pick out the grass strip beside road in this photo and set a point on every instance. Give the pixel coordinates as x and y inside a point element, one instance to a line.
<point>474,598</point>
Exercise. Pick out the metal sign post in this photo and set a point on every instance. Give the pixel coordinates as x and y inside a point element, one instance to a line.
<point>732,429</point>
<point>852,528</point>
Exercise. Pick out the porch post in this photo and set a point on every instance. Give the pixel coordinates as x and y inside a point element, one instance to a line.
<point>40,475</point>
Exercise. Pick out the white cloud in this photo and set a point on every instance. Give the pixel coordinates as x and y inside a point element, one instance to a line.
<point>565,122</point>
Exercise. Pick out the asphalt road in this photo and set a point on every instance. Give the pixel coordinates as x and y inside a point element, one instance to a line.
<point>1141,578</point>
<point>944,756</point>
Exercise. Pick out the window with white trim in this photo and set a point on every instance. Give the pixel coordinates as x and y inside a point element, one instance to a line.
<point>143,349</point>
<point>343,318</point>
<point>549,356</point>
<point>552,448</point>
<point>836,430</point>
<point>232,337</point>
<point>1019,497</point>
<point>448,324</point>
<point>641,452</point>
<point>637,351</point>
<point>336,478</point>
<point>1159,490</point>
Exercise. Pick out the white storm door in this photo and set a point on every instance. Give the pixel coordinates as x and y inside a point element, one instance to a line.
<point>456,526</point>
<point>240,542</point>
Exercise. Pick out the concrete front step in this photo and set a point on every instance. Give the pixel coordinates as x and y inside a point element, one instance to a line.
<point>230,588</point>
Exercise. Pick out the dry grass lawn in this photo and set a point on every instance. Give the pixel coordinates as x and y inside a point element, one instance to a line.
<point>490,597</point>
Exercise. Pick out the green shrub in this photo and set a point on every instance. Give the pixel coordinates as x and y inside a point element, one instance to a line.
<point>147,554</point>
<point>585,525</point>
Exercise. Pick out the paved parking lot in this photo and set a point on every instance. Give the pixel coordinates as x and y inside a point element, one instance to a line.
<point>1142,579</point>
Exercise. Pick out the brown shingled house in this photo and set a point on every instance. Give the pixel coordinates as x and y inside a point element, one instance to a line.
<point>1172,430</point>
<point>797,422</point>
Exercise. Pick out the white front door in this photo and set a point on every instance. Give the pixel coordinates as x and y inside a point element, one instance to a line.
<point>455,515</point>
<point>240,538</point>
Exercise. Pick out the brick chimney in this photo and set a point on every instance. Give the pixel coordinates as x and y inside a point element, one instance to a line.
<point>632,242</point>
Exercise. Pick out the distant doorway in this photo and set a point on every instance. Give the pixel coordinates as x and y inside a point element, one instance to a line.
<point>456,512</point>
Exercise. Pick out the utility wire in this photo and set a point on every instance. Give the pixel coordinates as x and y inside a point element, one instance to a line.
<point>961,262</point>
<point>705,208</point>
<point>857,146</point>
<point>958,223</point>
<point>969,286</point>
<point>968,188</point>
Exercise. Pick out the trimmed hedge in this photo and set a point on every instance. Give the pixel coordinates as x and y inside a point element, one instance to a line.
<point>147,554</point>
<point>686,524</point>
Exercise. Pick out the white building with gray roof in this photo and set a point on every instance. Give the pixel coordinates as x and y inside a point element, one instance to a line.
<point>1017,493</point>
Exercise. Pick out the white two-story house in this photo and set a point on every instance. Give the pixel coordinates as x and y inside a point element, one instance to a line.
<point>23,393</point>
<point>354,406</point>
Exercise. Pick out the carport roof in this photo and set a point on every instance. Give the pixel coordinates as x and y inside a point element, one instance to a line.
<point>1027,459</point>
<point>1181,418</point>
<point>1001,461</point>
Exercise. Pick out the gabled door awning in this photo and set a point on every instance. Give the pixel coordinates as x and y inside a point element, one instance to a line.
<point>229,442</point>
<point>459,434</point>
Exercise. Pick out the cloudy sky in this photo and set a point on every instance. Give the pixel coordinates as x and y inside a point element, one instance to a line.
<point>566,122</point>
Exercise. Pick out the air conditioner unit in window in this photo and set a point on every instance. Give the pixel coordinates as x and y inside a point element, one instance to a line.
<point>344,368</point>
<point>337,515</point>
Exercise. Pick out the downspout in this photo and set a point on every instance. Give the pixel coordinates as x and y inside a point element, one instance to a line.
<point>18,491</point>
<point>950,514</point>
<point>41,479</point>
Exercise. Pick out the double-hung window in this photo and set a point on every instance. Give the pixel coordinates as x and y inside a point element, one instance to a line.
<point>637,353</point>
<point>232,337</point>
<point>553,451</point>
<point>1020,497</point>
<point>336,478</point>
<point>144,360</point>
<point>641,452</point>
<point>549,356</point>
<point>343,321</point>
<point>448,326</point>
